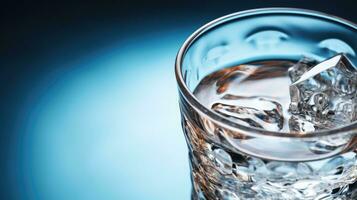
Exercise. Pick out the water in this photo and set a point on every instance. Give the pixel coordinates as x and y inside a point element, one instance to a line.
<point>281,95</point>
<point>257,95</point>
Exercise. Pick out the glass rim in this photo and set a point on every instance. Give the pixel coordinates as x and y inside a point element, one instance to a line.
<point>225,122</point>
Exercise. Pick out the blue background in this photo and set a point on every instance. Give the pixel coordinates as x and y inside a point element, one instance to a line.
<point>89,100</point>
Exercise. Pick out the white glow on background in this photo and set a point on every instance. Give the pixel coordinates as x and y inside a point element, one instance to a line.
<point>110,129</point>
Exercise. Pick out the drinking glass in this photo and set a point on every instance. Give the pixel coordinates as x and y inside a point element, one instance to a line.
<point>233,161</point>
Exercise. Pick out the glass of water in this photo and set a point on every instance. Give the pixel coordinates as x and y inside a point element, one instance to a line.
<point>245,140</point>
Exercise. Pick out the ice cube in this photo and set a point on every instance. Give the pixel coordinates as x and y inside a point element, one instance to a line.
<point>344,109</point>
<point>254,111</point>
<point>326,93</point>
<point>303,124</point>
<point>298,69</point>
<point>300,124</point>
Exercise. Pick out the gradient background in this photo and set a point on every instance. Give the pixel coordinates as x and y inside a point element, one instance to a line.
<point>88,95</point>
